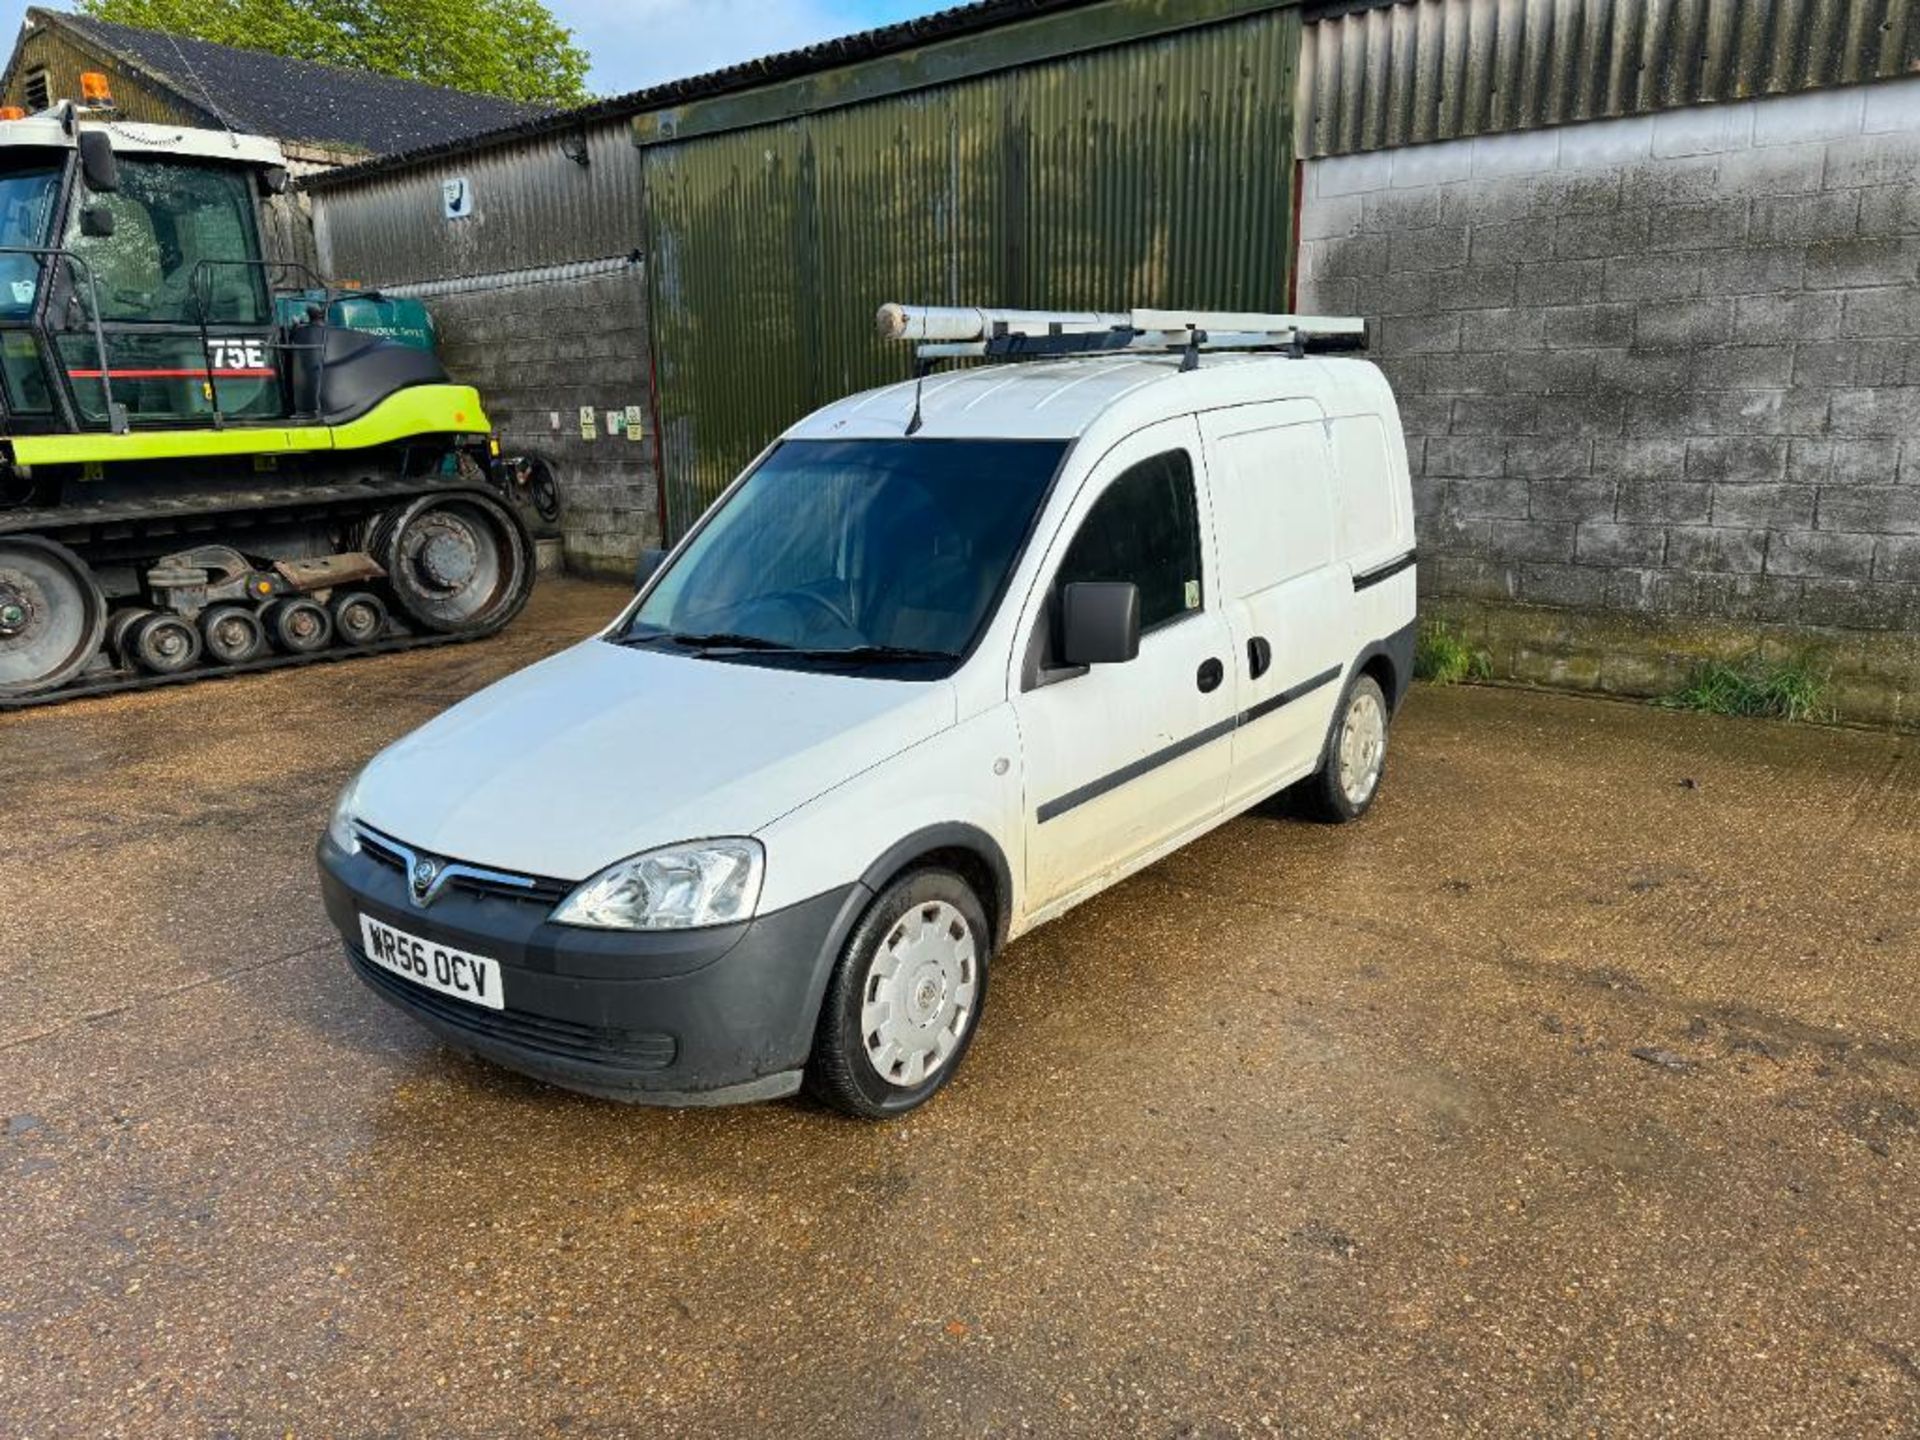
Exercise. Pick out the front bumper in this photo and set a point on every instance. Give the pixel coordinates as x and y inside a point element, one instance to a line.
<point>686,1017</point>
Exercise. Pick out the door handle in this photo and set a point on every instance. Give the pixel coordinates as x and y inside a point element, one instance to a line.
<point>1259,656</point>
<point>1212,672</point>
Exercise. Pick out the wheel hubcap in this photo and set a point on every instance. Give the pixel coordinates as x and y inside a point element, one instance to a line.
<point>918,1000</point>
<point>1363,747</point>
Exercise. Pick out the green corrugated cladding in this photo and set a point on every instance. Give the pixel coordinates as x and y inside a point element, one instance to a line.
<point>1375,76</point>
<point>1153,172</point>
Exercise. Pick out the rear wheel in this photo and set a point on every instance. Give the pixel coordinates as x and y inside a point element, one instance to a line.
<point>232,634</point>
<point>905,997</point>
<point>458,564</point>
<point>1356,758</point>
<point>299,626</point>
<point>52,615</point>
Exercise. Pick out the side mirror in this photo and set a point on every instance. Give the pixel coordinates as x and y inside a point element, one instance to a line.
<point>97,164</point>
<point>96,221</point>
<point>1099,622</point>
<point>650,561</point>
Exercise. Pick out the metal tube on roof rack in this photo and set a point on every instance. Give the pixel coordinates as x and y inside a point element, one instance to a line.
<point>965,322</point>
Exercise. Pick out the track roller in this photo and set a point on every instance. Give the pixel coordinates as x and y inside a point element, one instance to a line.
<point>163,643</point>
<point>232,634</point>
<point>52,615</point>
<point>359,617</point>
<point>299,626</point>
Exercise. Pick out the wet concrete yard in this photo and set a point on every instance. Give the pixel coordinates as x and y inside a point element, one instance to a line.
<point>1577,1089</point>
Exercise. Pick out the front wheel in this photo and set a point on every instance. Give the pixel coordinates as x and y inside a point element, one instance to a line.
<point>1349,776</point>
<point>905,998</point>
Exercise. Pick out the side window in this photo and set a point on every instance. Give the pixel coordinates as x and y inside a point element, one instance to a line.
<point>1145,528</point>
<point>1368,518</point>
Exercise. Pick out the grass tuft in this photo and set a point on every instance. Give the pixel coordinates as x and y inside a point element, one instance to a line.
<point>1794,689</point>
<point>1442,656</point>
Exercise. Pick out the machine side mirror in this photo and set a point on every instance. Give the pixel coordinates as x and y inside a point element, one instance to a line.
<point>1099,622</point>
<point>96,221</point>
<point>97,164</point>
<point>650,561</point>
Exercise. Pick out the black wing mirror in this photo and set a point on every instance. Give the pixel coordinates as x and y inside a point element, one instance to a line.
<point>1099,622</point>
<point>96,221</point>
<point>97,164</point>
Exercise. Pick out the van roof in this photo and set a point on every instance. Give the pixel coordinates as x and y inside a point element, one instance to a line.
<point>1061,399</point>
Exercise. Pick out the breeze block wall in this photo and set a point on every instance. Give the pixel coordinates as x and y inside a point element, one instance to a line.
<point>540,349</point>
<point>1661,383</point>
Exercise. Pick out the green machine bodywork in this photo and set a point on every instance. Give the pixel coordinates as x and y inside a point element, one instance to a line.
<point>211,460</point>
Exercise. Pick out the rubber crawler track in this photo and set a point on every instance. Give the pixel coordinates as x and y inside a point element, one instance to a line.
<point>63,522</point>
<point>122,683</point>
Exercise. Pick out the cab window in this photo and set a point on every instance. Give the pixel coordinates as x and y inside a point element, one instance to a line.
<point>1145,528</point>
<point>167,219</point>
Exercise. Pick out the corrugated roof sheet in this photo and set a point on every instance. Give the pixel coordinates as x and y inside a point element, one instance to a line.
<point>296,99</point>
<point>1382,73</point>
<point>768,70</point>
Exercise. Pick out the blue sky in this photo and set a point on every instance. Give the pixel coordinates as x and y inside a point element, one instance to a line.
<point>635,43</point>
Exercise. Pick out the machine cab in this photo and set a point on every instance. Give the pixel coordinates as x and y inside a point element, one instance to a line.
<point>135,291</point>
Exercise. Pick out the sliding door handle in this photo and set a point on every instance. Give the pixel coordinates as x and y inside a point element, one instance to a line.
<point>1259,656</point>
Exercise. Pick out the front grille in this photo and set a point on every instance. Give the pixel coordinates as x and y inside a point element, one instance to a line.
<point>532,889</point>
<point>601,1045</point>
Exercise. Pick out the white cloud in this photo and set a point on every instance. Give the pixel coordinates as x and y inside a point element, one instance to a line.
<point>637,43</point>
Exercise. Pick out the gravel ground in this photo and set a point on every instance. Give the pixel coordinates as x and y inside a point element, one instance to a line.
<point>1575,1091</point>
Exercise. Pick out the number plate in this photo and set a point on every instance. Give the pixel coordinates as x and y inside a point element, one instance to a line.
<point>473,978</point>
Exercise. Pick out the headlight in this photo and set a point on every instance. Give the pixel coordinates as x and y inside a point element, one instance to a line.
<point>340,824</point>
<point>681,887</point>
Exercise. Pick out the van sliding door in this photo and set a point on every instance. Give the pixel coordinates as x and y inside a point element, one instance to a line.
<point>1287,603</point>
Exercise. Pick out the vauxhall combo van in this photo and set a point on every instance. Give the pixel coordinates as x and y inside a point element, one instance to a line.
<point>951,657</point>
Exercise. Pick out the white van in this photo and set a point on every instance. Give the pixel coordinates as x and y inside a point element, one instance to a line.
<point>951,657</point>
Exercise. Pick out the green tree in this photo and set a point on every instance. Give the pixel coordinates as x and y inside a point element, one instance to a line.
<point>511,48</point>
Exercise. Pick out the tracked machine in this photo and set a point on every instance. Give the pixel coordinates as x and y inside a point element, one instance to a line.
<point>212,461</point>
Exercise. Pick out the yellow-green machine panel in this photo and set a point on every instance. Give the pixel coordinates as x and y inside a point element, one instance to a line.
<point>1133,153</point>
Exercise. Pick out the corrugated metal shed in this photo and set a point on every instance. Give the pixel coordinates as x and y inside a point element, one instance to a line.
<point>1160,168</point>
<point>535,204</point>
<point>1379,75</point>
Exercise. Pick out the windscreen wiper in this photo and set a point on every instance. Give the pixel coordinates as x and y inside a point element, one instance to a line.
<point>880,654</point>
<point>717,640</point>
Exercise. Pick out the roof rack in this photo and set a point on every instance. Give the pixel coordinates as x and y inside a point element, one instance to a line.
<point>956,332</point>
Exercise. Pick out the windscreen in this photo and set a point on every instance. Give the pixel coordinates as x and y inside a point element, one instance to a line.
<point>892,547</point>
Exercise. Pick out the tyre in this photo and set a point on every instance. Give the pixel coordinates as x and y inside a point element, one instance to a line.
<point>52,615</point>
<point>1349,776</point>
<point>359,617</point>
<point>232,634</point>
<point>165,644</point>
<point>299,626</point>
<point>905,997</point>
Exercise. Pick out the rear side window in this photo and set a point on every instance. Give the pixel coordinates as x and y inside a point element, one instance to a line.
<point>1273,505</point>
<point>1145,528</point>
<point>1368,523</point>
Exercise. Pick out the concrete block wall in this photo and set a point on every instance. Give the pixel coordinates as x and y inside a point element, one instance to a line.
<point>1665,367</point>
<point>538,352</point>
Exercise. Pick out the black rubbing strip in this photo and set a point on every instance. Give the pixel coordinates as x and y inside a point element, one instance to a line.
<point>1288,696</point>
<point>1384,572</point>
<point>1094,789</point>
